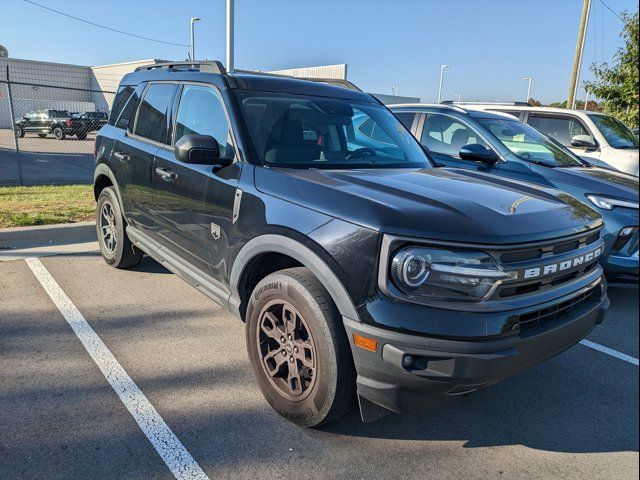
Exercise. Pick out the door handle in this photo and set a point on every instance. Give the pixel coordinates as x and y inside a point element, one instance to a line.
<point>121,156</point>
<point>166,174</point>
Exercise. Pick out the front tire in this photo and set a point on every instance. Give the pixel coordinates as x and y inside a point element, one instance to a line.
<point>298,348</point>
<point>19,132</point>
<point>115,246</point>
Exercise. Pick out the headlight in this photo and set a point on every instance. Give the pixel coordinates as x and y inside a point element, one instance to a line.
<point>609,203</point>
<point>446,275</point>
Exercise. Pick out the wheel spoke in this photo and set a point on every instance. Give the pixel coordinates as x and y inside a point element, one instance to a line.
<point>278,359</point>
<point>302,356</point>
<point>289,320</point>
<point>294,380</point>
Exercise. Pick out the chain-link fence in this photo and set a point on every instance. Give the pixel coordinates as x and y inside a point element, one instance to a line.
<point>49,116</point>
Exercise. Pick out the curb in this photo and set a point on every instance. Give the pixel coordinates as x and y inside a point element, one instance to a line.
<point>59,234</point>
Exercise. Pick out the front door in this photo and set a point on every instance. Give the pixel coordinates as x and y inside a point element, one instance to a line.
<point>194,203</point>
<point>444,136</point>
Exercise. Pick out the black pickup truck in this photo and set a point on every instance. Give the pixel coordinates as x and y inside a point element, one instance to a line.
<point>360,271</point>
<point>87,122</point>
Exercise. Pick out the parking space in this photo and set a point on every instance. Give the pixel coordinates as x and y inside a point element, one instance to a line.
<point>575,416</point>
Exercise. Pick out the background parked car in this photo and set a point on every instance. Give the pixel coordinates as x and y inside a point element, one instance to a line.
<point>84,123</point>
<point>43,122</point>
<point>500,144</point>
<point>599,139</point>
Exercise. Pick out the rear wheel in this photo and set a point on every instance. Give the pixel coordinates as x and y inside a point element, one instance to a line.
<point>299,349</point>
<point>115,246</point>
<point>59,133</point>
<point>19,132</point>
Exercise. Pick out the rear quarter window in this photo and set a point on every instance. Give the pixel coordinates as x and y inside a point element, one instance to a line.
<point>123,95</point>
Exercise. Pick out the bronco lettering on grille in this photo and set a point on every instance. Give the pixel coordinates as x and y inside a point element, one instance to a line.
<point>564,265</point>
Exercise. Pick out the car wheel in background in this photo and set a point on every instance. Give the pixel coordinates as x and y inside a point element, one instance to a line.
<point>59,133</point>
<point>19,132</point>
<point>115,246</point>
<point>298,348</point>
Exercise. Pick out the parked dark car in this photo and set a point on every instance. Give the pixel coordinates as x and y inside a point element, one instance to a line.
<point>84,123</point>
<point>360,272</point>
<point>502,145</point>
<point>43,122</point>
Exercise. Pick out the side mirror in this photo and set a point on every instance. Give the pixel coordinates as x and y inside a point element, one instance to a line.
<point>478,153</point>
<point>584,141</point>
<point>199,149</point>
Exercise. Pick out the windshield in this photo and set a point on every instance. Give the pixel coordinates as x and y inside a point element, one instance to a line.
<point>529,144</point>
<point>616,132</point>
<point>304,131</point>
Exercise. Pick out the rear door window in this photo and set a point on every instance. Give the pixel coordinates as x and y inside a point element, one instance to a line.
<point>406,118</point>
<point>152,120</point>
<point>123,95</point>
<point>561,128</point>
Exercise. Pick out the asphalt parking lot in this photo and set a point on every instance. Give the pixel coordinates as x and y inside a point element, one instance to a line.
<point>576,416</point>
<point>44,161</point>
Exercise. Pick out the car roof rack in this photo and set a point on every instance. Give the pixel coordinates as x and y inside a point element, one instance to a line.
<point>512,104</point>
<point>210,66</point>
<point>340,82</point>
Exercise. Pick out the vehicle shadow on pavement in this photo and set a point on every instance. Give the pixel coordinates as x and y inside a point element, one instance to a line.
<point>579,402</point>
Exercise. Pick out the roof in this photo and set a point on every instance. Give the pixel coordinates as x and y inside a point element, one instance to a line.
<point>478,106</point>
<point>450,109</point>
<point>214,73</point>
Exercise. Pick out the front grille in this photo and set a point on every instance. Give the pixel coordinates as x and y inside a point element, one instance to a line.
<point>536,318</point>
<point>543,254</point>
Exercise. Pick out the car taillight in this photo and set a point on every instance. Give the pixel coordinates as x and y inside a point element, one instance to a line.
<point>68,122</point>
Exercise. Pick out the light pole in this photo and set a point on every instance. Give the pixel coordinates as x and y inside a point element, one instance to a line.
<point>193,42</point>
<point>442,67</point>
<point>230,25</point>
<point>394,89</point>
<point>528,88</point>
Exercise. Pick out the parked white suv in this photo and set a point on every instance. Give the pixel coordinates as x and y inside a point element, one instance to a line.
<point>600,139</point>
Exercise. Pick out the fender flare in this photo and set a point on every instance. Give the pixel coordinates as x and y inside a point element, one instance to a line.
<point>103,169</point>
<point>271,243</point>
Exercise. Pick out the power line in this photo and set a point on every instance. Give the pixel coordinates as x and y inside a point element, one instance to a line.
<point>105,27</point>
<point>611,10</point>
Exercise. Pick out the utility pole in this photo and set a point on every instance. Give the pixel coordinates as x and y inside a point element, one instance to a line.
<point>577,59</point>
<point>442,67</point>
<point>528,88</point>
<point>193,39</point>
<point>230,36</point>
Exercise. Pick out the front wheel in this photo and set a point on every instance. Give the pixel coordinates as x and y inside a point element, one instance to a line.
<point>115,246</point>
<point>19,132</point>
<point>298,348</point>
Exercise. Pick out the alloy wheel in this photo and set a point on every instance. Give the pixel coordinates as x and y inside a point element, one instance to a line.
<point>108,227</point>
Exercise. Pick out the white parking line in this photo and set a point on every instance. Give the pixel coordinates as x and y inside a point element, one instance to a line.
<point>174,454</point>
<point>610,351</point>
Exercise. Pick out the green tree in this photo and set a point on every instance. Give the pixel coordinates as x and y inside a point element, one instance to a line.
<point>617,84</point>
<point>534,103</point>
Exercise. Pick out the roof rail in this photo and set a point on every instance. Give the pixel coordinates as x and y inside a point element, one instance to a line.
<point>513,104</point>
<point>212,66</point>
<point>331,81</point>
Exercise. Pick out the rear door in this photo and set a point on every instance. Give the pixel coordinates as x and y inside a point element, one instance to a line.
<point>195,202</point>
<point>146,123</point>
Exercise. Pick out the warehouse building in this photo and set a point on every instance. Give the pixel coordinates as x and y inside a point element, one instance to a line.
<point>37,85</point>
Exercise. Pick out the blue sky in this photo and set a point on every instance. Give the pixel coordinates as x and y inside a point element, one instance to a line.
<point>491,44</point>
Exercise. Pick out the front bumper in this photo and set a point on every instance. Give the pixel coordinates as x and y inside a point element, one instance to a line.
<point>443,368</point>
<point>620,260</point>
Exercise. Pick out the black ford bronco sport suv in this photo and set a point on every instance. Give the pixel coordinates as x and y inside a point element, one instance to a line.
<point>361,272</point>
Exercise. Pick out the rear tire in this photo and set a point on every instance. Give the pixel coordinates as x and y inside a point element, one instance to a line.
<point>19,132</point>
<point>115,246</point>
<point>299,349</point>
<point>59,133</point>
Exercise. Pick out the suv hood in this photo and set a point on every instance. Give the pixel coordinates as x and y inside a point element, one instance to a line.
<point>595,180</point>
<point>433,203</point>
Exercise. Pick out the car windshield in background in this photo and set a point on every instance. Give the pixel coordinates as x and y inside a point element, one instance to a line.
<point>616,132</point>
<point>315,132</point>
<point>529,144</point>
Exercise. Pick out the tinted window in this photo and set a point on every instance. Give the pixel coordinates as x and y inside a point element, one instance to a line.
<point>560,128</point>
<point>201,112</point>
<point>125,119</point>
<point>120,101</point>
<point>151,121</point>
<point>446,135</point>
<point>406,118</point>
<point>317,132</point>
<point>513,113</point>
